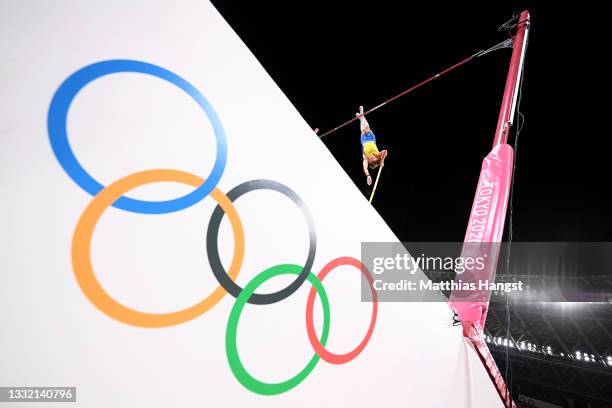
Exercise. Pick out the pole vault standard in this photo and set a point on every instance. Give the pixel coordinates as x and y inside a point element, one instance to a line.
<point>487,218</point>
<point>486,223</point>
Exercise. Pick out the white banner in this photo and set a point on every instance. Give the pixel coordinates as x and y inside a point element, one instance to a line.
<point>115,263</point>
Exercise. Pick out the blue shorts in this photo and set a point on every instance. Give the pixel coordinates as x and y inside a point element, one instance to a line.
<point>368,137</point>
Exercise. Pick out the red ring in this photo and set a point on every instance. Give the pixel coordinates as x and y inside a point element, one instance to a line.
<point>312,335</point>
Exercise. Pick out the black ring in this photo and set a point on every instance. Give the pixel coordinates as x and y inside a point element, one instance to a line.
<point>212,248</point>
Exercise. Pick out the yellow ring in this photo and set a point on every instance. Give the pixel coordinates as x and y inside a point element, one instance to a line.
<point>81,250</point>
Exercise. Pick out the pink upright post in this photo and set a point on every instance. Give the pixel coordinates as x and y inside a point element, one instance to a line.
<point>486,224</point>
<point>508,106</point>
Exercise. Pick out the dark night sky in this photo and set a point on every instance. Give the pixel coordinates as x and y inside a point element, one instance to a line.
<point>328,60</point>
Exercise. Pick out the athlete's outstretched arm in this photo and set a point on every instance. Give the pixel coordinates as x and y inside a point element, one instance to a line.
<point>365,170</point>
<point>383,156</point>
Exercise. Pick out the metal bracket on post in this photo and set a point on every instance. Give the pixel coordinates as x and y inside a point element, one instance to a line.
<point>507,43</point>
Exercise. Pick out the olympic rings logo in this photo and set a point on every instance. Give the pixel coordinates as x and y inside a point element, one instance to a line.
<point>114,195</point>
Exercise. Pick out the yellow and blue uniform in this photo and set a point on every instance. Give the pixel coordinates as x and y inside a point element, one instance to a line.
<point>368,145</point>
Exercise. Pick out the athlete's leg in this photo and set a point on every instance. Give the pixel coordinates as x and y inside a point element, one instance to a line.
<point>363,123</point>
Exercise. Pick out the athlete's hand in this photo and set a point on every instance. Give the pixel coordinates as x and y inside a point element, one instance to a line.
<point>369,180</point>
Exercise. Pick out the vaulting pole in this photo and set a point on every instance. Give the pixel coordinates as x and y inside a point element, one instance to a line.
<point>376,183</point>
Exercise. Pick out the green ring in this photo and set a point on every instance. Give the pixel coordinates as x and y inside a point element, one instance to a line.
<point>246,379</point>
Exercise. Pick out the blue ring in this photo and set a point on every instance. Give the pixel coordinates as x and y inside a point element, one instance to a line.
<point>58,136</point>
